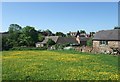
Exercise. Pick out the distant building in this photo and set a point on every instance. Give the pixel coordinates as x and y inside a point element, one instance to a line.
<point>75,34</point>
<point>57,40</point>
<point>107,41</point>
<point>62,40</point>
<point>72,33</point>
<point>44,42</point>
<point>4,34</point>
<point>75,39</point>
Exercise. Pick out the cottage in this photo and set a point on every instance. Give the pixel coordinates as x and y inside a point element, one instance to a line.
<point>43,43</point>
<point>62,40</point>
<point>107,41</point>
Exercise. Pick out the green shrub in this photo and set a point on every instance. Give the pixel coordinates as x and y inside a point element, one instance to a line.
<point>61,46</point>
<point>50,42</point>
<point>89,42</point>
<point>28,48</point>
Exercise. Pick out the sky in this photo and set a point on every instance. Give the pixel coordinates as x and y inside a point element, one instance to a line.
<point>61,16</point>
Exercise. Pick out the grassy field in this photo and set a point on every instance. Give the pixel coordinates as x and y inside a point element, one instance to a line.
<point>58,65</point>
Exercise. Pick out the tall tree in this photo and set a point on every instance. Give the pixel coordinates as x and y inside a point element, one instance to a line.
<point>6,43</point>
<point>29,35</point>
<point>14,33</point>
<point>14,28</point>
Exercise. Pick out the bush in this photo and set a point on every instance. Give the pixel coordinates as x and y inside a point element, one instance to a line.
<point>41,37</point>
<point>50,42</point>
<point>89,42</point>
<point>61,46</point>
<point>28,48</point>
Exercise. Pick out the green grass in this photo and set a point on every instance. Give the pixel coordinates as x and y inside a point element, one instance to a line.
<point>0,66</point>
<point>58,65</point>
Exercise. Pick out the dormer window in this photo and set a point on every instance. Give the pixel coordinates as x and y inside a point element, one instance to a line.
<point>103,42</point>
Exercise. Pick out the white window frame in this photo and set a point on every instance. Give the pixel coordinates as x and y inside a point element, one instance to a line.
<point>103,42</point>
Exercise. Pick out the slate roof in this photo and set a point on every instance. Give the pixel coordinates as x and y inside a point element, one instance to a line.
<point>107,35</point>
<point>54,38</point>
<point>62,40</point>
<point>83,39</point>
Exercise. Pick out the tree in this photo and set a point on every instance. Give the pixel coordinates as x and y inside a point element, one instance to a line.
<point>50,42</point>
<point>14,33</point>
<point>29,36</point>
<point>40,37</point>
<point>39,31</point>
<point>60,34</point>
<point>82,31</point>
<point>116,27</point>
<point>89,42</point>
<point>14,28</point>
<point>6,43</point>
<point>68,35</point>
<point>24,40</point>
<point>78,33</point>
<point>47,32</point>
<point>91,34</point>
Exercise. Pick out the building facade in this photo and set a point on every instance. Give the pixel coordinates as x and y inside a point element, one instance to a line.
<point>107,41</point>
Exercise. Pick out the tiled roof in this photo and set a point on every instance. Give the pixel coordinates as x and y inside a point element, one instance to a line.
<point>83,39</point>
<point>107,35</point>
<point>54,38</point>
<point>62,40</point>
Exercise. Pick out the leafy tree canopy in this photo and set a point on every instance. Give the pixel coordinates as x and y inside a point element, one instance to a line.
<point>40,37</point>
<point>60,34</point>
<point>14,28</point>
<point>50,42</point>
<point>29,35</point>
<point>14,33</point>
<point>82,31</point>
<point>116,27</point>
<point>89,42</point>
<point>47,32</point>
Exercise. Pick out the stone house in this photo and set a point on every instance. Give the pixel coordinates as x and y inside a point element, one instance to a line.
<point>107,41</point>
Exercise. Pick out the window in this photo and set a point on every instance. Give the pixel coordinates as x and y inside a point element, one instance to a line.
<point>103,42</point>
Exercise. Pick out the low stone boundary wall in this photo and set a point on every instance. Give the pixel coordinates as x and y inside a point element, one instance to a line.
<point>84,49</point>
<point>96,50</point>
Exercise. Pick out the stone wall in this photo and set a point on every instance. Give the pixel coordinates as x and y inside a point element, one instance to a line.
<point>113,44</point>
<point>97,48</point>
<point>119,45</point>
<point>96,44</point>
<point>83,49</point>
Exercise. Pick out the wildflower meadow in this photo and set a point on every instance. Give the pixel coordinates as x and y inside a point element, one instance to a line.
<point>58,65</point>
